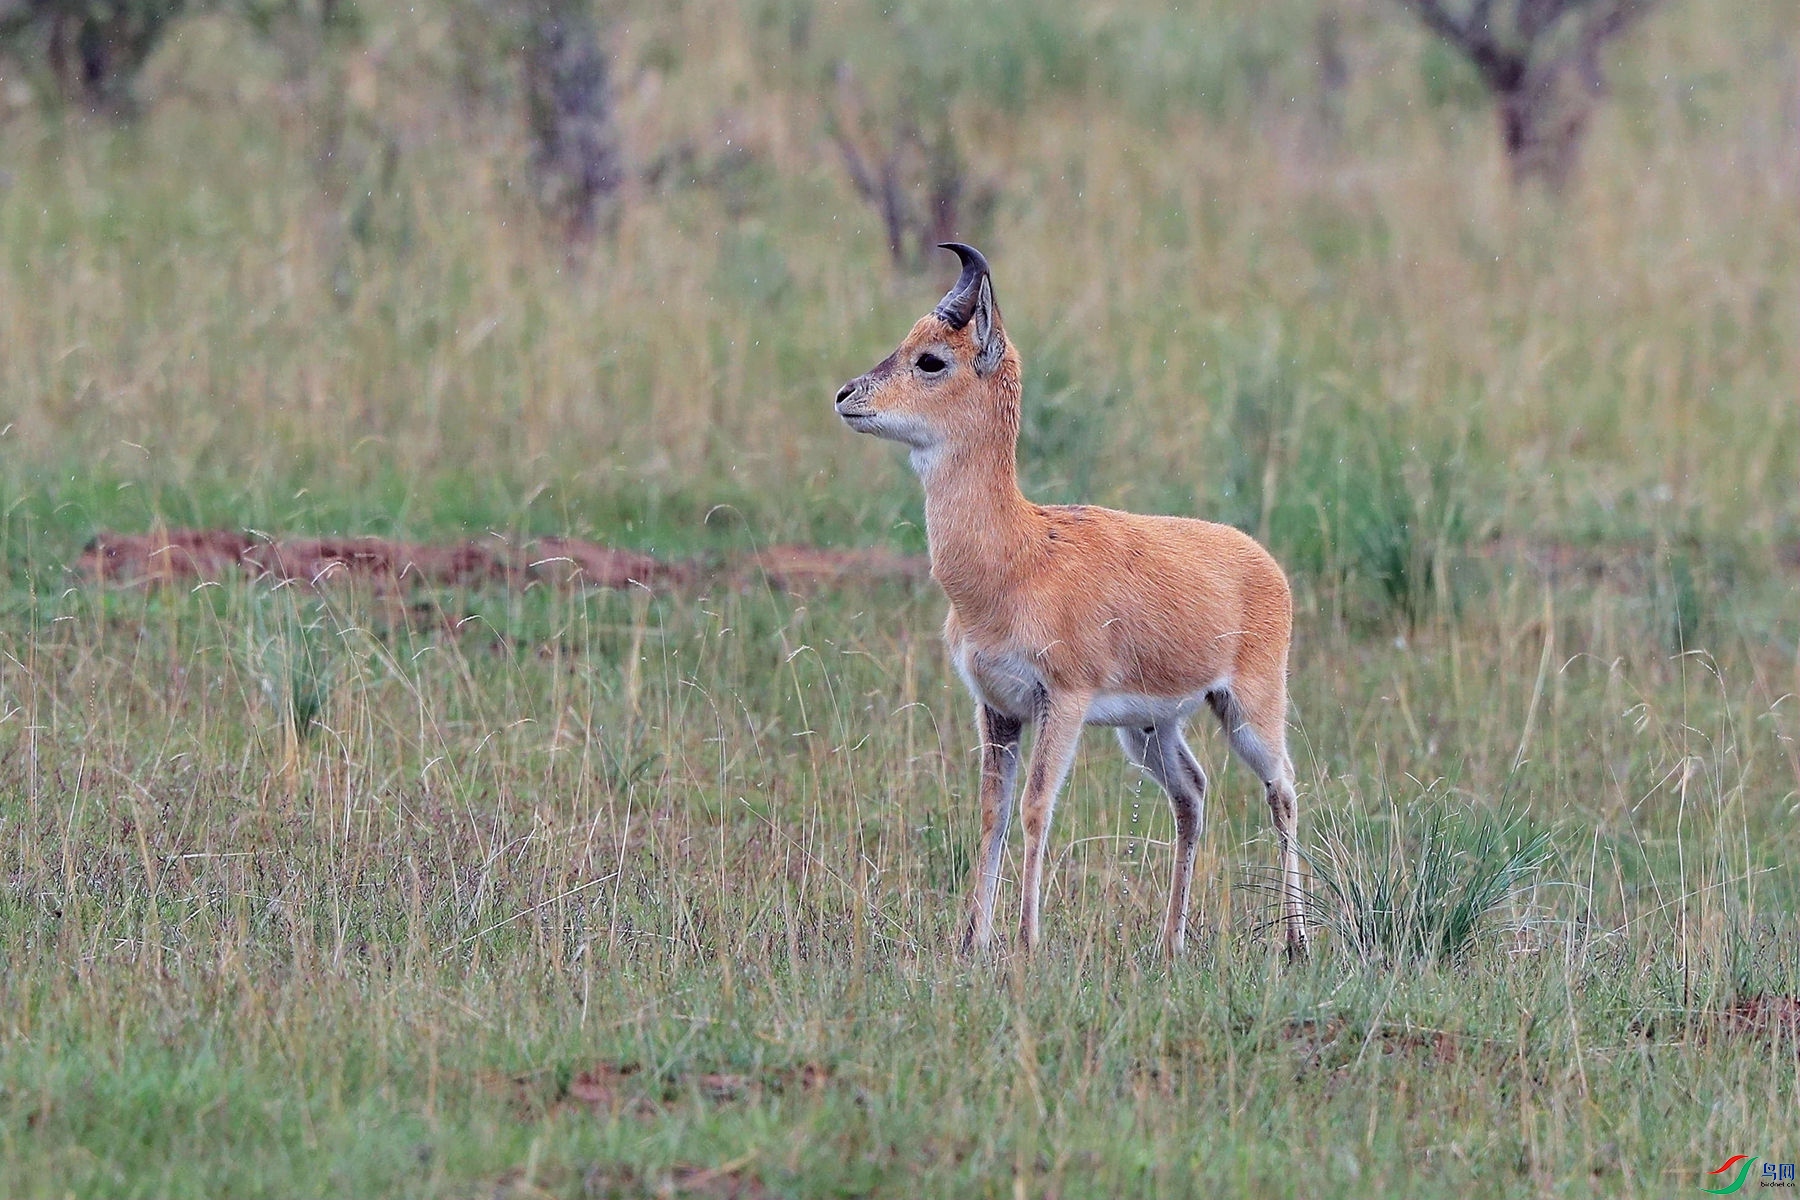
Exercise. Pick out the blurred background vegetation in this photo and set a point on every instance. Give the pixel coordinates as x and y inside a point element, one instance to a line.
<point>539,265</point>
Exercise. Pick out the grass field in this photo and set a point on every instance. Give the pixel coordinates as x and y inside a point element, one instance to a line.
<point>522,893</point>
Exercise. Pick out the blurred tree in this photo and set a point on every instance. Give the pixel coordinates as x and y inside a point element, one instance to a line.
<point>909,166</point>
<point>300,29</point>
<point>1541,61</point>
<point>92,50</point>
<point>576,158</point>
<point>1333,73</point>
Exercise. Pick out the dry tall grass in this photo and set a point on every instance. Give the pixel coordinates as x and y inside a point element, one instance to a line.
<point>206,295</point>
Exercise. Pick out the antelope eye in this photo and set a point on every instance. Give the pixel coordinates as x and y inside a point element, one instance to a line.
<point>931,364</point>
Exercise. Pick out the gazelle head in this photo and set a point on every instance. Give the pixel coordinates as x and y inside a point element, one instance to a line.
<point>953,381</point>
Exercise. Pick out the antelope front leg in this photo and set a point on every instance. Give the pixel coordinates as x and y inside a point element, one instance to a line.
<point>1058,732</point>
<point>999,768</point>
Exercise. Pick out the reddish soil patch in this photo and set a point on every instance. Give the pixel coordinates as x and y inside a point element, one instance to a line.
<point>1624,564</point>
<point>800,568</point>
<point>1772,1019</point>
<point>572,561</point>
<point>611,1088</point>
<point>719,1183</point>
<point>624,1088</point>
<point>157,558</point>
<point>201,556</point>
<point>1321,1040</point>
<point>607,1181</point>
<point>1628,565</point>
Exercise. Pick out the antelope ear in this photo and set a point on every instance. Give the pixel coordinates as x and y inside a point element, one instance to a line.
<point>990,342</point>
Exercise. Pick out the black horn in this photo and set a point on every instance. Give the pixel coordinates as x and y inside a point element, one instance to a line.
<point>957,307</point>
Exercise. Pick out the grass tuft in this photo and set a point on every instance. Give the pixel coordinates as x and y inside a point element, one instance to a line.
<point>292,660</point>
<point>1421,885</point>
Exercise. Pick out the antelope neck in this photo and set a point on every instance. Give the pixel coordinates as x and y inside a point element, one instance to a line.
<point>980,528</point>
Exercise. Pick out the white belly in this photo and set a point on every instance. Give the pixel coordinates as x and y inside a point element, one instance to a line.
<point>1007,682</point>
<point>1133,708</point>
<point>1011,683</point>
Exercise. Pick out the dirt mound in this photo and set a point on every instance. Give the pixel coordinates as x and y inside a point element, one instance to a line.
<point>150,558</point>
<point>1770,1018</point>
<point>213,555</point>
<point>796,568</point>
<point>1320,1041</point>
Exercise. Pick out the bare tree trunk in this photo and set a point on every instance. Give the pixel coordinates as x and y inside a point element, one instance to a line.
<point>94,48</point>
<point>1541,61</point>
<point>576,157</point>
<point>921,185</point>
<point>1333,74</point>
<point>943,206</point>
<point>1543,122</point>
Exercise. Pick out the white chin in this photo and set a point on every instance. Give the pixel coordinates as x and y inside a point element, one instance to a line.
<point>894,429</point>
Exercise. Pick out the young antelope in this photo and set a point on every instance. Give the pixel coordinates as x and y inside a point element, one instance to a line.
<point>1068,616</point>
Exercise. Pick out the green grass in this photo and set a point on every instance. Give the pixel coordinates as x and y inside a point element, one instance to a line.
<point>712,843</point>
<point>488,893</point>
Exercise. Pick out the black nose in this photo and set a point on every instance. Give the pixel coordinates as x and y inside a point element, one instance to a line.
<point>844,392</point>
